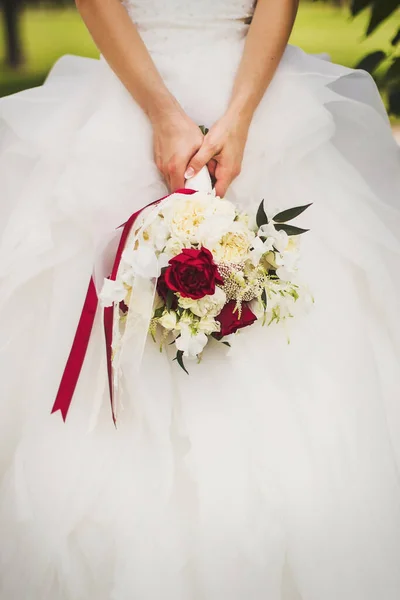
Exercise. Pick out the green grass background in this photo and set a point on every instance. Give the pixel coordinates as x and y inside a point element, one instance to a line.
<point>50,33</point>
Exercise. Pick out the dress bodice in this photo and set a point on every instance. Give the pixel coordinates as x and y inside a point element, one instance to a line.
<point>165,22</point>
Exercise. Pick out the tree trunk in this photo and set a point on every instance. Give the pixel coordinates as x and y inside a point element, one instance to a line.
<point>14,55</point>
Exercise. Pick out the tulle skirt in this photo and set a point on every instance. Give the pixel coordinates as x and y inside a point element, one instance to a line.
<point>271,471</point>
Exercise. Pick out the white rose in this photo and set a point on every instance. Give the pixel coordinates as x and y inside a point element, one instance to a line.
<point>209,305</point>
<point>168,320</point>
<point>173,247</point>
<point>112,292</point>
<point>187,303</point>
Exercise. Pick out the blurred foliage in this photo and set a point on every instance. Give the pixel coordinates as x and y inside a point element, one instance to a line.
<point>380,10</point>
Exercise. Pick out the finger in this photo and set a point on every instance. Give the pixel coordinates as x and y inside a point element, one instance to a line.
<point>200,159</point>
<point>224,179</point>
<point>212,165</point>
<point>175,172</point>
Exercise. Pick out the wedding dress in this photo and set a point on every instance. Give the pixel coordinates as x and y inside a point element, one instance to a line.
<point>271,472</point>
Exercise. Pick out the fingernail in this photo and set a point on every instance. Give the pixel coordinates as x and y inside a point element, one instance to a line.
<point>189,173</point>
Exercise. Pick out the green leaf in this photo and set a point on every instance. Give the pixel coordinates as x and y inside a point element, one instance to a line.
<point>291,213</point>
<point>179,359</point>
<point>396,39</point>
<point>393,73</point>
<point>394,102</point>
<point>372,61</point>
<point>261,218</point>
<point>170,299</point>
<point>264,299</point>
<point>359,5</point>
<point>291,229</point>
<point>380,12</point>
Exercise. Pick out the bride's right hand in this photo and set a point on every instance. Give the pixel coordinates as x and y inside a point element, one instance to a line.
<point>176,140</point>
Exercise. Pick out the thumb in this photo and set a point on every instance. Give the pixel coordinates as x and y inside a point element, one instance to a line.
<point>199,160</point>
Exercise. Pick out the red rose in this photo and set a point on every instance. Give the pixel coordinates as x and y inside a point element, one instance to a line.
<point>193,274</point>
<point>230,321</point>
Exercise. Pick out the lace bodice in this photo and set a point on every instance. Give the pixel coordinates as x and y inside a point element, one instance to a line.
<point>165,22</point>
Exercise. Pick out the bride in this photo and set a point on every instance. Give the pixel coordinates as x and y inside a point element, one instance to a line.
<point>271,472</point>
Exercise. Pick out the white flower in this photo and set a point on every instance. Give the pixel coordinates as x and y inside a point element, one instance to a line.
<point>198,218</point>
<point>280,239</point>
<point>287,264</point>
<point>211,231</point>
<point>142,261</point>
<point>184,214</point>
<point>191,344</point>
<point>156,234</point>
<point>208,306</point>
<point>208,325</point>
<point>257,308</point>
<point>168,320</point>
<point>259,248</point>
<point>234,245</point>
<point>224,207</point>
<point>112,292</point>
<point>186,303</point>
<point>173,247</point>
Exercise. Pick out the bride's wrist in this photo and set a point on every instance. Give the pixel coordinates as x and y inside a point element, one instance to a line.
<point>243,104</point>
<point>163,109</point>
<point>239,120</point>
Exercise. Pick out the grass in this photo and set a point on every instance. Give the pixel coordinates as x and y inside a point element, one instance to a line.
<point>48,34</point>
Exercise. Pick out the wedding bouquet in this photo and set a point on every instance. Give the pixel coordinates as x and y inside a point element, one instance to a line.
<point>189,268</point>
<point>214,270</point>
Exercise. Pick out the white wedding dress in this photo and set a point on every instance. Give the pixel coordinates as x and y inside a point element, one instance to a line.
<point>271,472</point>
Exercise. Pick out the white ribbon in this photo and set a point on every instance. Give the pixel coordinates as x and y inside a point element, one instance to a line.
<point>129,339</point>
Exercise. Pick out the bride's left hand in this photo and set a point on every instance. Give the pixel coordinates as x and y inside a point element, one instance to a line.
<point>222,151</point>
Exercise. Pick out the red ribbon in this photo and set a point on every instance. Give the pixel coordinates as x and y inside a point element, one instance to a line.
<point>80,344</point>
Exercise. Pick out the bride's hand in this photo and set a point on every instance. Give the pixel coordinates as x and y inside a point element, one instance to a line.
<point>222,150</point>
<point>176,140</point>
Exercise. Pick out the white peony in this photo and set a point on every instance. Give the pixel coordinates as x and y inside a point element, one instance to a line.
<point>225,208</point>
<point>191,344</point>
<point>234,245</point>
<point>168,320</point>
<point>112,292</point>
<point>184,214</point>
